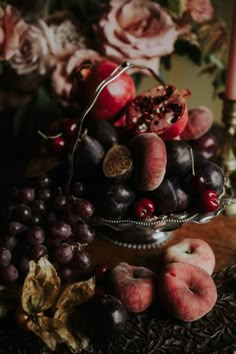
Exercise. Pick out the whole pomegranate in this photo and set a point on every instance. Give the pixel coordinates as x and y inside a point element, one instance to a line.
<point>114,98</point>
<point>161,110</point>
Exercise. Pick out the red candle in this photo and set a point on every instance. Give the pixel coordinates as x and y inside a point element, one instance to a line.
<point>230,88</point>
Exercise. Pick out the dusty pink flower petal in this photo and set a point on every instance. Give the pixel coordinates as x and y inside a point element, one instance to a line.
<point>200,10</point>
<point>136,29</point>
<point>64,74</point>
<point>12,27</point>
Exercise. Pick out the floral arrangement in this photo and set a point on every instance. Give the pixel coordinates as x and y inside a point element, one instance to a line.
<point>49,42</point>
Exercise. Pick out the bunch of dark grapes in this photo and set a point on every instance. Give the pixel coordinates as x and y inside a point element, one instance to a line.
<point>42,220</point>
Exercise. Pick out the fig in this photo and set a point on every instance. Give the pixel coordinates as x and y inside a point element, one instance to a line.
<point>88,157</point>
<point>149,159</point>
<point>118,164</point>
<point>161,110</point>
<point>104,132</point>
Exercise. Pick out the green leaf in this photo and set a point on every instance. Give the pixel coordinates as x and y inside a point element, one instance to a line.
<point>176,8</point>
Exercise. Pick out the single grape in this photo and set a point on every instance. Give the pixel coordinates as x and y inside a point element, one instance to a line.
<point>36,235</point>
<point>35,220</point>
<point>43,182</point>
<point>8,274</point>
<point>26,195</point>
<point>39,207</point>
<point>16,228</point>
<point>44,194</point>
<point>63,253</point>
<point>69,216</point>
<point>83,208</point>
<point>5,257</point>
<point>61,230</point>
<point>22,213</point>
<point>81,260</point>
<point>58,202</point>
<point>8,241</point>
<point>83,233</point>
<point>77,189</point>
<point>37,252</point>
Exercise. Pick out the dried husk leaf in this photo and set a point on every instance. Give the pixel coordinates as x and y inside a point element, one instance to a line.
<point>77,293</point>
<point>51,331</point>
<point>41,165</point>
<point>75,325</point>
<point>41,287</point>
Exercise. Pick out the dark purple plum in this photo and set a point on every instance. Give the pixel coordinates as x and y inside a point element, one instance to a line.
<point>178,158</point>
<point>212,173</point>
<point>107,317</point>
<point>207,146</point>
<point>114,200</point>
<point>169,197</point>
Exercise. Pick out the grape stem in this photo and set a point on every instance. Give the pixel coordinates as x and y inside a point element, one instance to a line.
<point>119,70</point>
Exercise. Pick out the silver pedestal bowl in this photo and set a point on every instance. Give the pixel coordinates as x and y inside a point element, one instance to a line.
<point>156,231</point>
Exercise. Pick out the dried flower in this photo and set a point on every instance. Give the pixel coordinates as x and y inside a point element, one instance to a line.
<point>32,54</point>
<point>12,26</point>
<point>136,30</point>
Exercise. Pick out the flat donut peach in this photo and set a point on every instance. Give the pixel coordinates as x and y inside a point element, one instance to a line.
<point>187,292</point>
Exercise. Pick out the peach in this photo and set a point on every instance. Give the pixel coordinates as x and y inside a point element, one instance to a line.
<point>192,251</point>
<point>186,291</point>
<point>149,158</point>
<point>199,122</point>
<point>134,286</point>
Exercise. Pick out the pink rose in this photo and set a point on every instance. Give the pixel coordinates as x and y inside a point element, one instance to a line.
<point>12,26</point>
<point>136,30</point>
<point>200,10</point>
<point>70,69</point>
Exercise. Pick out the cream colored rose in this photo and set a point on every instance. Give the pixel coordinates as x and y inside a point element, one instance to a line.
<point>136,30</point>
<point>64,33</point>
<point>67,70</point>
<point>32,54</point>
<point>12,26</point>
<point>200,10</point>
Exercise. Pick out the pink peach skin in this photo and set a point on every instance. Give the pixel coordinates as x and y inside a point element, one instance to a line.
<point>134,286</point>
<point>193,251</point>
<point>187,292</point>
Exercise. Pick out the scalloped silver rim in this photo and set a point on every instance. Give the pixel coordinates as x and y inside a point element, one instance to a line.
<point>171,223</point>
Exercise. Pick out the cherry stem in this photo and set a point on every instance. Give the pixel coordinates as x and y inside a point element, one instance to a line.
<point>119,70</point>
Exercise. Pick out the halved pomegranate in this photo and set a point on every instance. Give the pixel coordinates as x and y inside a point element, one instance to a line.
<point>161,110</point>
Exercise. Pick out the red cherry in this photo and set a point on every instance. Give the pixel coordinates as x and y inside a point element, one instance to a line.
<point>114,97</point>
<point>69,126</point>
<point>209,201</point>
<point>143,208</point>
<point>58,144</point>
<point>100,272</point>
<point>195,183</point>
